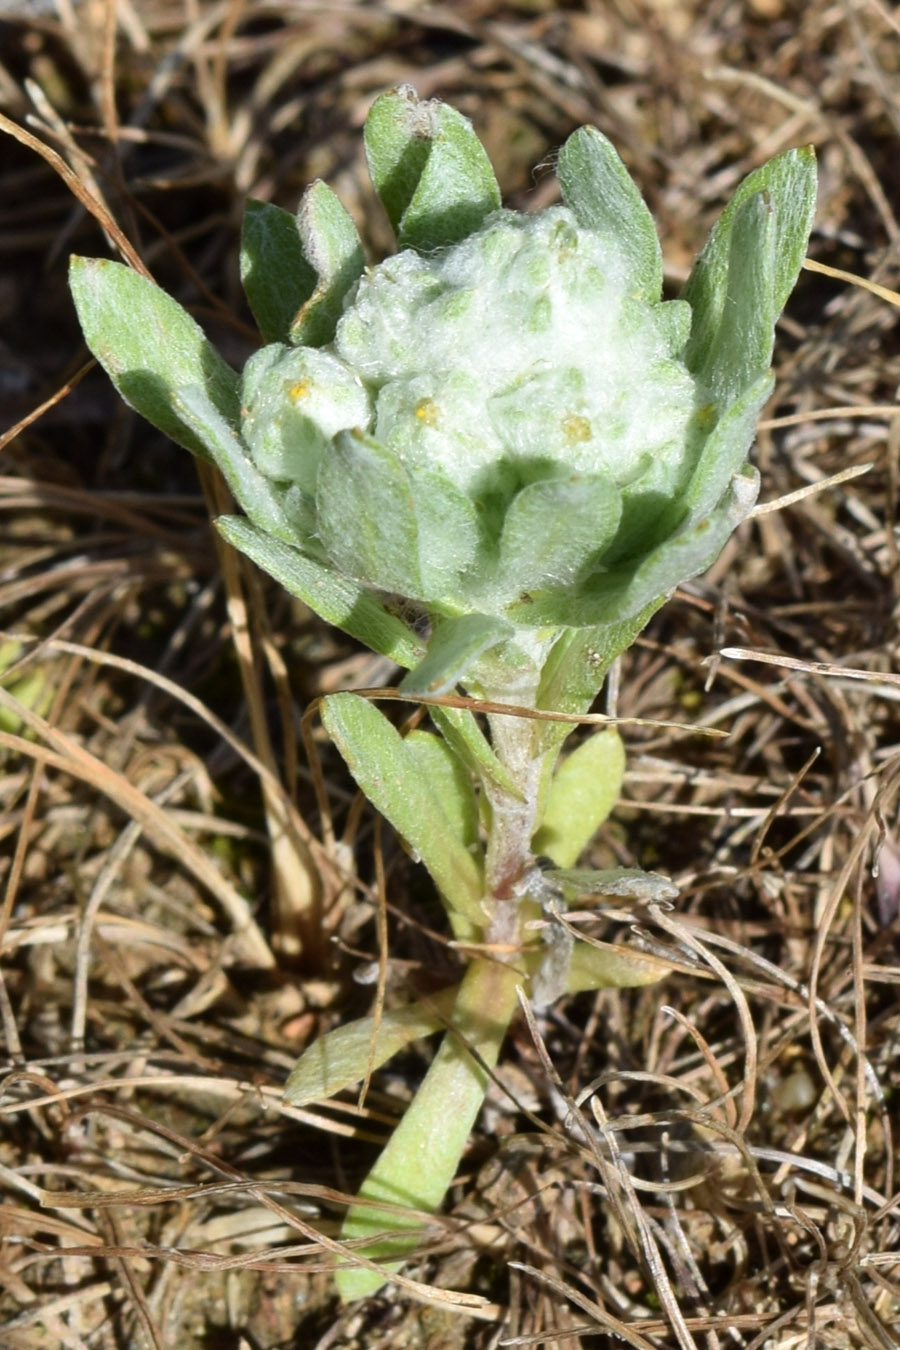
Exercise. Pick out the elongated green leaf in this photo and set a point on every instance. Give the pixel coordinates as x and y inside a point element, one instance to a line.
<point>259,497</point>
<point>672,319</point>
<point>332,247</point>
<point>275,274</point>
<point>429,169</point>
<point>451,648</point>
<point>632,882</point>
<point>578,663</point>
<point>461,731</point>
<point>448,532</point>
<point>150,347</point>
<point>347,605</point>
<point>456,191</point>
<point>450,782</point>
<point>633,589</point>
<point>603,965</point>
<point>554,529</point>
<point>397,138</point>
<point>583,791</point>
<point>788,184</point>
<point>742,352</point>
<point>366,514</point>
<point>32,690</point>
<point>723,455</point>
<point>420,1160</point>
<point>388,774</point>
<point>601,192</point>
<point>344,1056</point>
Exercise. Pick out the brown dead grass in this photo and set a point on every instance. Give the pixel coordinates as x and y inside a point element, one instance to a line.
<point>709,1163</point>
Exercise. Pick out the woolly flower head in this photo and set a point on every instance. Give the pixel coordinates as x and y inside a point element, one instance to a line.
<point>503,425</point>
<point>516,374</point>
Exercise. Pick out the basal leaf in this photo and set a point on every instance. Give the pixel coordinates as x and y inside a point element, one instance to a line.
<point>632,882</point>
<point>420,1160</point>
<point>462,732</point>
<point>343,1057</point>
<point>449,780</point>
<point>603,965</point>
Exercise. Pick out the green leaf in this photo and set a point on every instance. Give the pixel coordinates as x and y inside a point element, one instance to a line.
<point>452,646</point>
<point>150,347</point>
<point>297,270</point>
<point>463,734</point>
<point>345,604</point>
<point>275,274</point>
<point>429,169</point>
<point>672,319</point>
<point>436,764</point>
<point>32,690</point>
<point>599,189</point>
<point>457,189</point>
<point>332,247</point>
<point>554,529</point>
<point>685,554</point>
<point>388,773</point>
<point>742,352</point>
<point>420,1160</point>
<point>399,529</point>
<point>397,138</point>
<point>636,587</point>
<point>448,532</point>
<point>788,186</point>
<point>344,1056</point>
<point>583,791</point>
<point>578,663</point>
<point>259,497</point>
<point>603,965</point>
<point>366,514</point>
<point>723,455</point>
<point>631,882</point>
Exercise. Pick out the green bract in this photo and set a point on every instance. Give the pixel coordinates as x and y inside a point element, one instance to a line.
<point>490,457</point>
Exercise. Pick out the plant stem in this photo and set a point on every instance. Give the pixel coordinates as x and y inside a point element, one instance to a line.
<point>420,1160</point>
<point>513,818</point>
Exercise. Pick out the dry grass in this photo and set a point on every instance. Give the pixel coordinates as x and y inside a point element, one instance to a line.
<point>709,1163</point>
